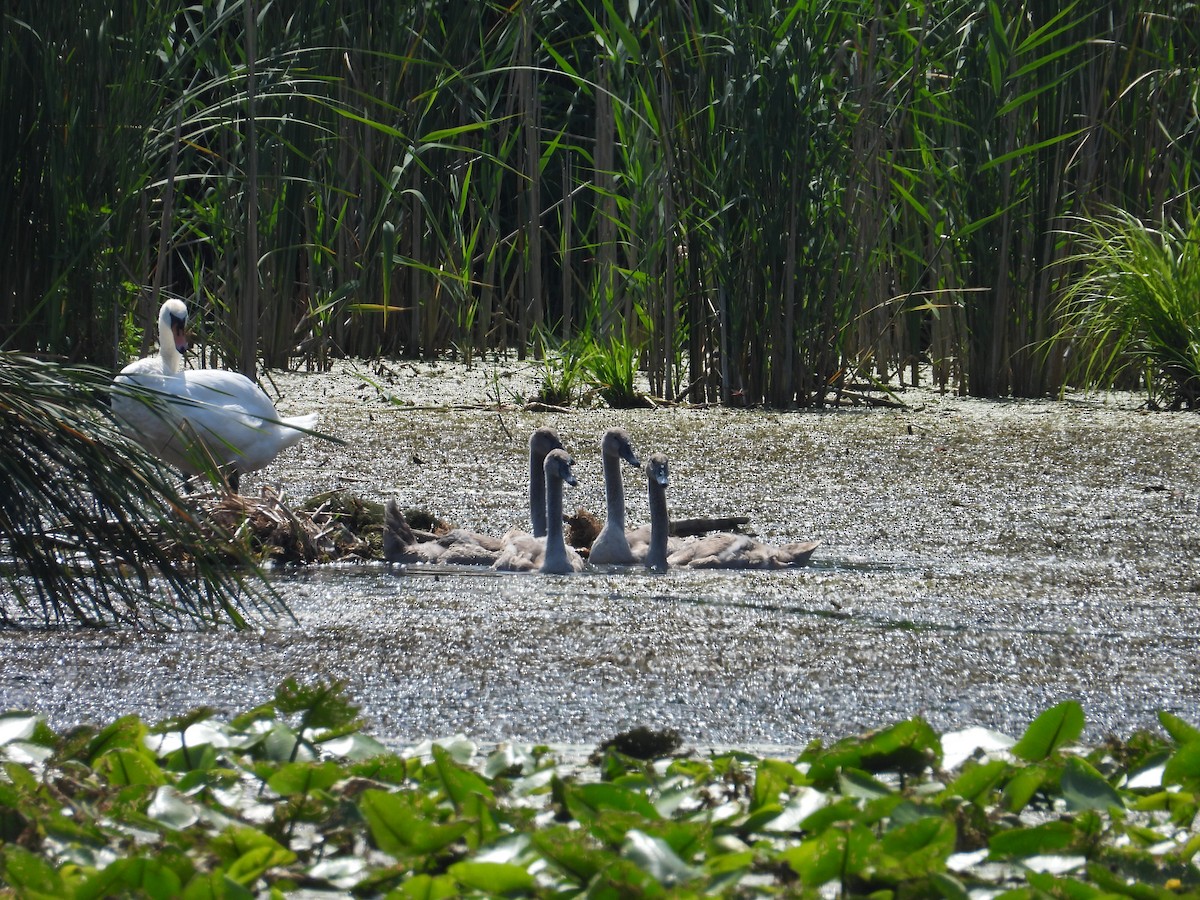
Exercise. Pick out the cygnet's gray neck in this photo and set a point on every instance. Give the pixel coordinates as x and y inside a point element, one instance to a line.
<point>556,547</point>
<point>537,494</point>
<point>614,492</point>
<point>660,526</point>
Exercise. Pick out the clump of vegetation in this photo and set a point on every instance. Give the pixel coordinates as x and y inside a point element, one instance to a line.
<point>587,365</point>
<point>92,528</point>
<point>334,526</point>
<point>562,370</point>
<point>292,796</point>
<point>612,368</point>
<point>1136,306</point>
<point>641,743</point>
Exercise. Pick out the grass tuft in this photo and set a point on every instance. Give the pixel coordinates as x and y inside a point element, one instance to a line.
<point>612,368</point>
<point>1135,307</point>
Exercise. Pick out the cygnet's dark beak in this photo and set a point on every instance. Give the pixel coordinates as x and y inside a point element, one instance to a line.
<point>662,475</point>
<point>630,457</point>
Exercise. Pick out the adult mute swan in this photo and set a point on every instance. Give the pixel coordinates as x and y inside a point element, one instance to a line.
<point>193,420</point>
<point>722,550</point>
<point>611,546</point>
<point>549,555</point>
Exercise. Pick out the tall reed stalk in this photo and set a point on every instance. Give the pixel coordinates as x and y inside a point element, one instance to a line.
<point>774,203</point>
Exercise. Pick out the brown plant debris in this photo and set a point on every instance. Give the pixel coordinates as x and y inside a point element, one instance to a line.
<point>642,743</point>
<point>333,527</point>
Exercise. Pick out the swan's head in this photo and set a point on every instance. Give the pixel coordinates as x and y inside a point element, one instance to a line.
<point>657,470</point>
<point>543,440</point>
<point>172,324</point>
<point>616,443</point>
<point>558,466</point>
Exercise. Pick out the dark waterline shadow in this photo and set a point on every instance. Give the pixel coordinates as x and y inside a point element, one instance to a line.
<point>680,592</point>
<point>875,622</point>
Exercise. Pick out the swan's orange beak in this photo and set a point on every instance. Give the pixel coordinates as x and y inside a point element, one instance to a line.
<point>179,330</point>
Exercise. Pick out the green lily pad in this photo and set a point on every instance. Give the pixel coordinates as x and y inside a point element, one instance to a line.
<point>1050,731</point>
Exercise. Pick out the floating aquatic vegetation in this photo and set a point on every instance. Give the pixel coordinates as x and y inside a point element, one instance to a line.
<point>294,796</point>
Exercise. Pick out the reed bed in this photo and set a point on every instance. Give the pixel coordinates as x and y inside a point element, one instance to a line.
<point>765,203</point>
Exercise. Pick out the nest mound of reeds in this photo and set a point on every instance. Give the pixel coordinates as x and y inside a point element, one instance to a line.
<point>331,527</point>
<point>337,526</point>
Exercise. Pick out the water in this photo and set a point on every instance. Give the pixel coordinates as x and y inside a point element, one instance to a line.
<point>981,562</point>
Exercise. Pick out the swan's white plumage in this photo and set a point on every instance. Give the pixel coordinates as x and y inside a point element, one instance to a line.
<point>195,419</point>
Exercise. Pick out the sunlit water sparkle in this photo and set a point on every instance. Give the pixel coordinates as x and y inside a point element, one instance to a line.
<point>981,562</point>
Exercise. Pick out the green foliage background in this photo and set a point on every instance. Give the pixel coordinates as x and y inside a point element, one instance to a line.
<point>767,200</point>
<point>291,798</point>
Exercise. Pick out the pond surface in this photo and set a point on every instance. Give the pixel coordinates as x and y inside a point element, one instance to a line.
<point>981,561</point>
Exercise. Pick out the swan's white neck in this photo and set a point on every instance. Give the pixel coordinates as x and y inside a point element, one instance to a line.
<point>172,359</point>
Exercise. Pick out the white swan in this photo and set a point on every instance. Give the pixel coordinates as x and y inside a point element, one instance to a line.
<point>549,555</point>
<point>194,420</point>
<point>722,550</point>
<point>471,548</point>
<point>611,546</point>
